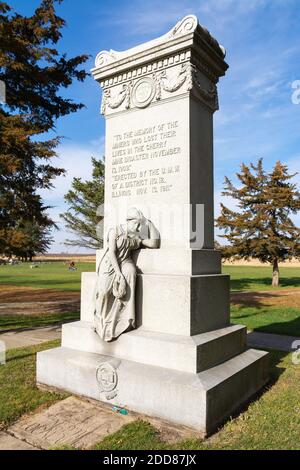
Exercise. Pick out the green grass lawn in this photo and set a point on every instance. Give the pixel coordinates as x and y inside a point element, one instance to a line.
<point>19,322</point>
<point>56,276</point>
<point>281,321</point>
<point>254,278</point>
<point>47,276</point>
<point>270,422</point>
<point>18,392</point>
<point>272,319</point>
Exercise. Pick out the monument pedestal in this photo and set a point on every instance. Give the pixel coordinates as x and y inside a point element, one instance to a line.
<point>184,362</point>
<point>179,364</point>
<point>201,400</point>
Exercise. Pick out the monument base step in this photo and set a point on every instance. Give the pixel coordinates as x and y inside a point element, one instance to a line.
<point>172,304</point>
<point>202,401</point>
<point>185,353</point>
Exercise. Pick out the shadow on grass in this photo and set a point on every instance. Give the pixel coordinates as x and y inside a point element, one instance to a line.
<point>58,284</point>
<point>250,299</point>
<point>20,356</point>
<point>275,359</point>
<point>141,435</point>
<point>248,283</point>
<point>17,323</point>
<point>289,328</point>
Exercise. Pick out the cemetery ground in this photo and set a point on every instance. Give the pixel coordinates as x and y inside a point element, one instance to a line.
<point>50,294</point>
<point>270,422</point>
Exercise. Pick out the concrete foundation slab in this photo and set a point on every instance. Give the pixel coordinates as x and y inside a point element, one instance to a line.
<point>201,400</point>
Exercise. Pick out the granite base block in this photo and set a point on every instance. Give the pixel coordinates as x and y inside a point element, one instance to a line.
<point>202,401</point>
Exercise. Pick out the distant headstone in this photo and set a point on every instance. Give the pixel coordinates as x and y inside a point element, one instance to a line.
<point>2,352</point>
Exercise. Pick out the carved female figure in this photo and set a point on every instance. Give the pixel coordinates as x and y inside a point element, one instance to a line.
<point>116,276</point>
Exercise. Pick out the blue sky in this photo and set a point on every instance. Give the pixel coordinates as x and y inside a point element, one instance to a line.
<point>257,117</point>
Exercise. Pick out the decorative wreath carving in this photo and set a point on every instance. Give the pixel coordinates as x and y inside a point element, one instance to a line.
<point>114,101</point>
<point>173,84</point>
<point>158,82</point>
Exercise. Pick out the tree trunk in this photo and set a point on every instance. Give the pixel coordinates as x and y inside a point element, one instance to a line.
<point>275,278</point>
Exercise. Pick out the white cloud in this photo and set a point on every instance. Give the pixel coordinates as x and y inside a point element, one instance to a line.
<point>76,160</point>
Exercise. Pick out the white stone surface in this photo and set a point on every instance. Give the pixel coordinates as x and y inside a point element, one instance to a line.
<point>164,261</point>
<point>172,304</point>
<point>201,400</point>
<point>159,132</point>
<point>158,100</point>
<point>88,281</point>
<point>185,353</point>
<point>182,305</point>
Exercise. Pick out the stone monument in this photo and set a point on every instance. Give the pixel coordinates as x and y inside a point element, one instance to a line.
<point>155,333</point>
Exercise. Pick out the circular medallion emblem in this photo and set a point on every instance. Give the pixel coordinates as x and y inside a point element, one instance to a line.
<point>143,92</point>
<point>107,377</point>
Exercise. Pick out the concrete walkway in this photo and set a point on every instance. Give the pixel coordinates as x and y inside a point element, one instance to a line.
<point>8,442</point>
<point>271,341</point>
<point>30,337</point>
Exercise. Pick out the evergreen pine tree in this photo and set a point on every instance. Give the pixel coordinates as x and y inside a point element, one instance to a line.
<point>85,200</point>
<point>33,72</point>
<point>262,227</point>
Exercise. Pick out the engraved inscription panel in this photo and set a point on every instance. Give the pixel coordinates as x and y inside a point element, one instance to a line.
<point>147,166</point>
<point>146,160</point>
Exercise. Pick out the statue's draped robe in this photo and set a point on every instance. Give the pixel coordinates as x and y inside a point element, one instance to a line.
<point>113,316</point>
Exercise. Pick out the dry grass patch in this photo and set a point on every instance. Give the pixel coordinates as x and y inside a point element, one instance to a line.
<point>284,298</point>
<point>12,294</point>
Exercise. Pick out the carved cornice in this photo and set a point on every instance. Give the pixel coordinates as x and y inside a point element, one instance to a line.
<point>185,26</point>
<point>146,69</point>
<point>143,90</point>
<point>105,58</point>
<point>186,41</point>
